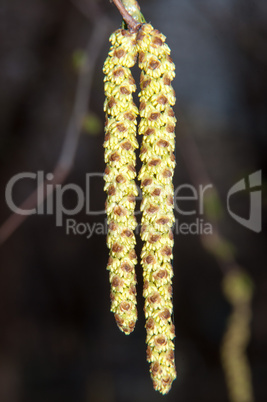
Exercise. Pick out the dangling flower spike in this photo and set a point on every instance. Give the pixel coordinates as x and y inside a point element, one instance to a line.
<point>120,144</point>
<point>157,126</point>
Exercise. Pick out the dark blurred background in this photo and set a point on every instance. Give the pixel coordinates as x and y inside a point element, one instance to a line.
<point>58,340</point>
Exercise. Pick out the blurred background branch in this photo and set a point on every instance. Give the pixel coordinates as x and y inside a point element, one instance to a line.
<point>70,143</point>
<point>237,286</point>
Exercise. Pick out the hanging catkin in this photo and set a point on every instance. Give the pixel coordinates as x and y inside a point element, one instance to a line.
<point>120,144</point>
<point>157,126</point>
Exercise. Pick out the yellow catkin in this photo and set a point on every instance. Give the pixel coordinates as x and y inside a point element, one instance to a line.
<point>157,126</point>
<point>238,291</point>
<point>120,144</point>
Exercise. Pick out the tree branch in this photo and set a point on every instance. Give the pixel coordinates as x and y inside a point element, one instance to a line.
<point>132,23</point>
<point>67,155</point>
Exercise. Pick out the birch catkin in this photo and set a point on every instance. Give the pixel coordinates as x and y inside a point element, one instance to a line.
<point>120,144</point>
<point>157,126</point>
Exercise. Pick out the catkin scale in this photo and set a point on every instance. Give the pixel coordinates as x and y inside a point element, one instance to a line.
<point>157,126</point>
<point>120,144</point>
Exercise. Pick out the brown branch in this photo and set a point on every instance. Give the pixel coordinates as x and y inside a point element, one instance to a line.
<point>67,155</point>
<point>130,21</point>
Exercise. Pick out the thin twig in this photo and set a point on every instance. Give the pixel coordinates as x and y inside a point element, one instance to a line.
<point>67,155</point>
<point>130,21</point>
<point>214,243</point>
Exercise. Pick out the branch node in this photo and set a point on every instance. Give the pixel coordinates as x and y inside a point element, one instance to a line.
<point>134,24</point>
